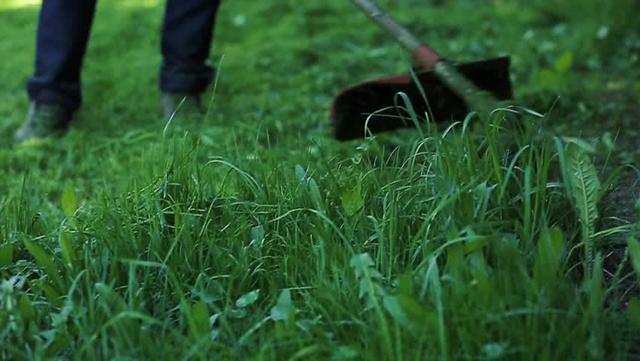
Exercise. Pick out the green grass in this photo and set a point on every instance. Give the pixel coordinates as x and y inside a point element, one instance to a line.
<point>251,234</point>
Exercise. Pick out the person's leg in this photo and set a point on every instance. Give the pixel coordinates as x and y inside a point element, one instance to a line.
<point>63,32</point>
<point>54,89</point>
<point>186,42</point>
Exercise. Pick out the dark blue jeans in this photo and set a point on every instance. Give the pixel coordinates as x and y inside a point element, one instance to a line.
<point>62,38</point>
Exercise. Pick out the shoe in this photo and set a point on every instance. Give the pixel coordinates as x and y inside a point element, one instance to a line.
<point>174,104</point>
<point>43,121</point>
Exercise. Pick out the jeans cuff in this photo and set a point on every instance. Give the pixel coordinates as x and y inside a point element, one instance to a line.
<point>69,99</point>
<point>185,78</point>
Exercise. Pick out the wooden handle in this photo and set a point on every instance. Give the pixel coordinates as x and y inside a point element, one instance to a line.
<point>422,54</point>
<point>389,24</point>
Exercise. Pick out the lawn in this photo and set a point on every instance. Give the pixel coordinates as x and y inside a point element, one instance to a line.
<point>252,234</point>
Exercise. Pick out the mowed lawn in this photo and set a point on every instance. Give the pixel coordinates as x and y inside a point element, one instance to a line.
<point>252,234</point>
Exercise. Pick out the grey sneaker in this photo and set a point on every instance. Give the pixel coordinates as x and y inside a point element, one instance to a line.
<point>43,121</point>
<point>189,105</point>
